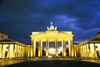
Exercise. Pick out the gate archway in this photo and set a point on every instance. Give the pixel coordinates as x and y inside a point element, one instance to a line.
<point>52,35</point>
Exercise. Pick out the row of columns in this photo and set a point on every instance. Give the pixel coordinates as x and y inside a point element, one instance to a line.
<point>19,51</point>
<point>11,51</point>
<point>28,51</point>
<point>47,48</point>
<point>87,50</point>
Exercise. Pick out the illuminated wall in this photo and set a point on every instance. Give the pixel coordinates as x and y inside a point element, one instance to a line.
<point>11,50</point>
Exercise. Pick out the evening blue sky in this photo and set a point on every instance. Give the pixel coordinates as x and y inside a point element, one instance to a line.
<point>18,18</point>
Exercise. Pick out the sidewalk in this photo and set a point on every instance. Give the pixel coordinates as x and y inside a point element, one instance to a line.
<point>4,62</point>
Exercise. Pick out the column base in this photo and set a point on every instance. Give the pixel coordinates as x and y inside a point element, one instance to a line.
<point>34,57</point>
<point>63,56</point>
<point>56,57</point>
<point>40,57</point>
<point>47,56</point>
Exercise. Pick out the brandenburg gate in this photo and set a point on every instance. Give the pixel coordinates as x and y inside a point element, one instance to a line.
<point>51,35</point>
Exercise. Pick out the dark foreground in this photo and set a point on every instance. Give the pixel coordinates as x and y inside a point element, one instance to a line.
<point>55,63</point>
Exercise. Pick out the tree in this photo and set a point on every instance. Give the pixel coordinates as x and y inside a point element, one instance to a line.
<point>67,52</point>
<point>43,53</point>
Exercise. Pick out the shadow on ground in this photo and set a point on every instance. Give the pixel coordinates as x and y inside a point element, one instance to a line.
<point>54,63</point>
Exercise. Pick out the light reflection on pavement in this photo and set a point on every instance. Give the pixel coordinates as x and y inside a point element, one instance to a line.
<point>4,62</point>
<point>93,61</point>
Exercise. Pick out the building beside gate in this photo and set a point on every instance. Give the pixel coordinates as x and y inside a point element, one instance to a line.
<point>10,48</point>
<point>89,48</point>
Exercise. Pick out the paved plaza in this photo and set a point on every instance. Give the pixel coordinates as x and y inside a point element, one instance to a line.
<point>60,62</point>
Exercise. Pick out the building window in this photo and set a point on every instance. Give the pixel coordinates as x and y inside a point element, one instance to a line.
<point>1,36</point>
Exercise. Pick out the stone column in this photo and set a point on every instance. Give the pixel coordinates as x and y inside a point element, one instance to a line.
<point>84,50</point>
<point>0,51</point>
<point>75,51</point>
<point>80,51</point>
<point>56,47</point>
<point>34,48</point>
<point>63,49</point>
<point>89,50</point>
<point>10,51</point>
<point>31,51</point>
<point>70,48</point>
<point>92,48</point>
<point>82,54</point>
<point>16,50</point>
<point>47,48</point>
<point>40,49</point>
<point>95,53</point>
<point>22,51</point>
<point>3,51</point>
<point>19,52</point>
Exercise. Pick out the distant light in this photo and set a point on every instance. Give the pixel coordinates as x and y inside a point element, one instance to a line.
<point>52,50</point>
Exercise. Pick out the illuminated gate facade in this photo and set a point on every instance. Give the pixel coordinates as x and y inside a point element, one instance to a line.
<point>51,35</point>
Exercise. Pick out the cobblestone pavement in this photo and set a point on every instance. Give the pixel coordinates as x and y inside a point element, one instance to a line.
<point>4,62</point>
